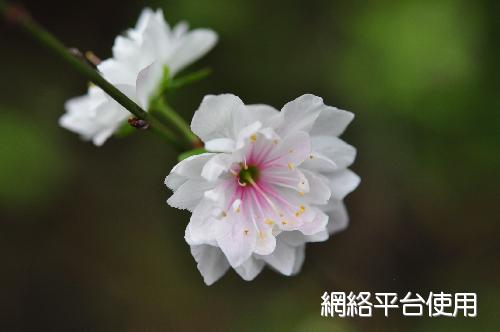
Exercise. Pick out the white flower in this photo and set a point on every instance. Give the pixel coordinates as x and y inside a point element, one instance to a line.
<point>136,68</point>
<point>272,182</point>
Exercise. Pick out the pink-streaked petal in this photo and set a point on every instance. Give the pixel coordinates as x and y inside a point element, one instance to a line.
<point>290,152</point>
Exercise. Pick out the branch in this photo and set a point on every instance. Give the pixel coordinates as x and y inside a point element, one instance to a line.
<point>21,18</point>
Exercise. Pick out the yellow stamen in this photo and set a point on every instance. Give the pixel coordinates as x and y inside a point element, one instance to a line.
<point>269,222</point>
<point>290,166</point>
<point>253,138</point>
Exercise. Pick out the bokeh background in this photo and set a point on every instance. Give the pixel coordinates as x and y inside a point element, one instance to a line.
<point>87,242</point>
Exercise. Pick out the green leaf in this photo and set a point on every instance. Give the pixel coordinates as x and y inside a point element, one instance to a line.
<point>189,78</point>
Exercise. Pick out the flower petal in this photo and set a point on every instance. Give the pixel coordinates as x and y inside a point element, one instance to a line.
<point>266,242</point>
<point>267,115</point>
<point>331,122</point>
<point>189,194</point>
<point>300,255</point>
<point>250,268</point>
<point>218,117</point>
<point>217,166</point>
<point>211,262</point>
<point>319,192</point>
<point>189,168</point>
<point>300,114</point>
<point>318,224</point>
<point>335,149</point>
<point>290,152</point>
<point>237,241</point>
<point>338,217</point>
<point>192,46</point>
<point>202,226</point>
<point>147,82</point>
<point>343,182</point>
<point>283,258</point>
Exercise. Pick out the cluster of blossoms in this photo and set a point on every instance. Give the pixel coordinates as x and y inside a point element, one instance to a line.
<point>268,182</point>
<point>140,60</point>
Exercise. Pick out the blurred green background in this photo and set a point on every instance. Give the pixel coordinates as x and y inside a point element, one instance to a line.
<point>87,242</point>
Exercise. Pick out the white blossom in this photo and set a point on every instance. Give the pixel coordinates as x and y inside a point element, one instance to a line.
<point>136,68</point>
<point>271,182</point>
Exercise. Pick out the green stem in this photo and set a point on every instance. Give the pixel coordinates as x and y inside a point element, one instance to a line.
<point>160,107</point>
<point>22,19</point>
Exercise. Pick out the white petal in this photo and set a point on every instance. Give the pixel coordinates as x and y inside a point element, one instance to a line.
<point>331,122</point>
<point>211,262</point>
<point>220,145</point>
<point>189,168</point>
<point>319,163</point>
<point>180,29</point>
<point>300,255</point>
<point>148,81</point>
<point>245,133</point>
<point>338,217</point>
<point>217,165</point>
<point>267,115</point>
<point>319,190</point>
<point>293,150</point>
<point>192,46</point>
<point>237,243</point>
<point>146,15</point>
<point>266,242</point>
<point>202,228</point>
<point>189,194</point>
<point>318,224</point>
<point>342,183</point>
<point>250,268</point>
<point>300,114</point>
<point>341,153</point>
<point>282,259</point>
<point>118,72</point>
<point>218,117</point>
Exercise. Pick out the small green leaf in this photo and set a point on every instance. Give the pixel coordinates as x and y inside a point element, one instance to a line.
<point>189,78</point>
<point>190,153</point>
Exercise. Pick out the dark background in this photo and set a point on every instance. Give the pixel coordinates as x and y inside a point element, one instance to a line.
<point>87,242</point>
